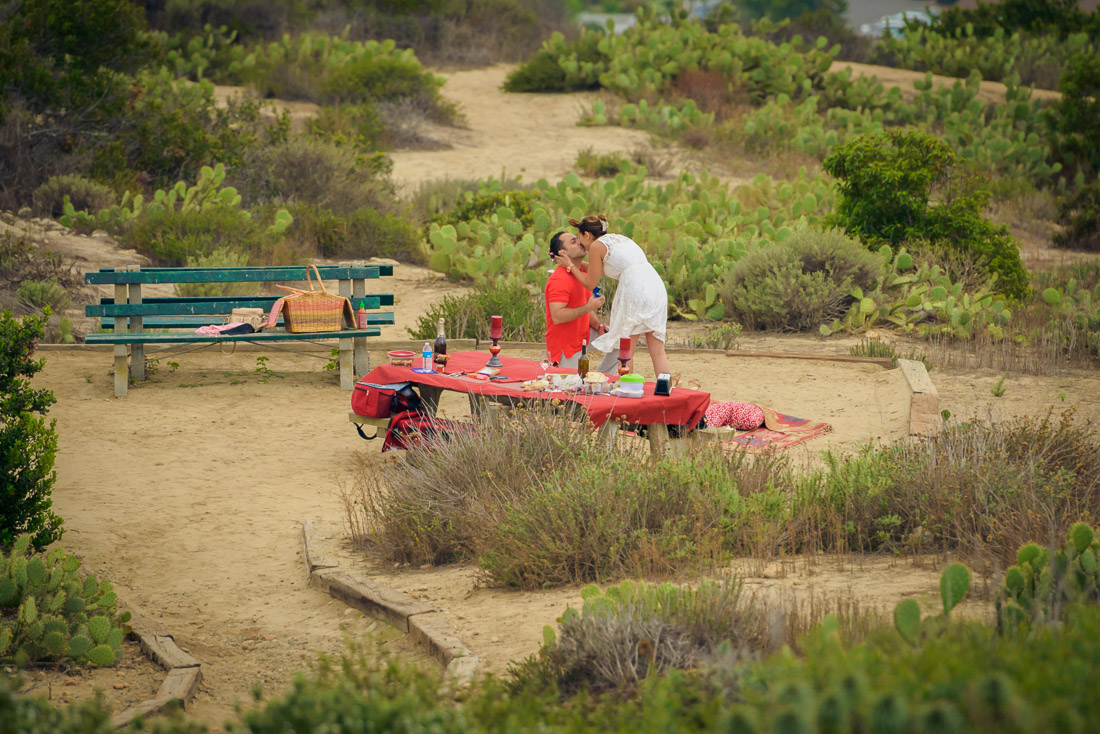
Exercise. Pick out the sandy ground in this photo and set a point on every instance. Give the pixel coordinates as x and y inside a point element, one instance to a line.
<point>188,493</point>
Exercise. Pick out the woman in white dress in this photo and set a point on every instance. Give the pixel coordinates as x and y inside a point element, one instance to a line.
<point>640,305</point>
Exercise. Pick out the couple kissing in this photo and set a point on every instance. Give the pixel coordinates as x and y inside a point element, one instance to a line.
<point>640,307</point>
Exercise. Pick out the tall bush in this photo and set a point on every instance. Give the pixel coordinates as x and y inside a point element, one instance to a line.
<point>909,185</point>
<point>798,284</point>
<point>27,440</point>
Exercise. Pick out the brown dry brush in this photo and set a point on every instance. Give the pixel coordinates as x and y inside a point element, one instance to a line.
<point>985,489</point>
<point>440,501</point>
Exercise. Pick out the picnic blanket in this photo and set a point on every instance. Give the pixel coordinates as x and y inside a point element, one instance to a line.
<point>780,431</point>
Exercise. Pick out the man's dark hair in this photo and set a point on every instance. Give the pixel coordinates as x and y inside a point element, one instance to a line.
<point>556,245</point>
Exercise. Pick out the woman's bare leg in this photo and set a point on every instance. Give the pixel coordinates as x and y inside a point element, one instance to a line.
<point>657,353</point>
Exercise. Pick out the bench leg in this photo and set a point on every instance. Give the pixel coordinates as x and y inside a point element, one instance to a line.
<point>122,372</point>
<point>137,351</point>
<point>347,365</point>
<point>122,369</point>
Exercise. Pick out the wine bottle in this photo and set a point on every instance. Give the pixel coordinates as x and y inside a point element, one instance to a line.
<point>440,347</point>
<point>582,361</point>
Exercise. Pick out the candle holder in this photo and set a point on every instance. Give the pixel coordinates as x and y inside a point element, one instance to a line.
<point>623,369</point>
<point>494,349</point>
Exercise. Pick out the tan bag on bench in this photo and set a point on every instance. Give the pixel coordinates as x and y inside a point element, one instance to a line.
<point>253,316</point>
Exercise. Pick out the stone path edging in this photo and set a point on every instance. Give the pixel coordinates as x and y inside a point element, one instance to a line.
<point>181,684</point>
<point>423,622</point>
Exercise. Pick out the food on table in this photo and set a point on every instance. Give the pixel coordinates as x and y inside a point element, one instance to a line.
<point>539,384</point>
<point>595,378</point>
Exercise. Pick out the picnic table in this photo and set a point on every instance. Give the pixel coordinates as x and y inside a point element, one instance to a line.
<point>683,407</point>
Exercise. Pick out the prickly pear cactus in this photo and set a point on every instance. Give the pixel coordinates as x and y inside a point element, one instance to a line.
<point>1042,584</point>
<point>49,613</point>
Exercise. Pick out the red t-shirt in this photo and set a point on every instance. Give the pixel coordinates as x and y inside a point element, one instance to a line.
<point>564,340</point>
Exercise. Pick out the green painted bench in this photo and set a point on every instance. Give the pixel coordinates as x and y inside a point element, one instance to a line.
<point>130,316</point>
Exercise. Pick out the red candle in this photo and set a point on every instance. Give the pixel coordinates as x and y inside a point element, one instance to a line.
<point>624,347</point>
<point>496,328</point>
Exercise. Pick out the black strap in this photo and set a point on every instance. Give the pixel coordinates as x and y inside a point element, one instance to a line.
<point>364,436</point>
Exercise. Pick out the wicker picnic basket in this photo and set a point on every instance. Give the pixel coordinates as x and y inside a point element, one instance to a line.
<point>314,310</point>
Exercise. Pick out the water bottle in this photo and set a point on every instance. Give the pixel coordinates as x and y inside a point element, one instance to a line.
<point>426,358</point>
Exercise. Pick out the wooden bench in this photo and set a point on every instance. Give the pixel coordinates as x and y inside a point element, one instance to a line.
<point>129,315</point>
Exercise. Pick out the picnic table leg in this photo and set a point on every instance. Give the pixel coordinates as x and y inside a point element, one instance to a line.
<point>122,372</point>
<point>607,434</point>
<point>347,365</point>
<point>659,444</point>
<point>429,398</point>
<point>137,351</point>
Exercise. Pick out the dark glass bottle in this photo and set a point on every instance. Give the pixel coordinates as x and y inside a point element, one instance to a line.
<point>440,347</point>
<point>582,361</point>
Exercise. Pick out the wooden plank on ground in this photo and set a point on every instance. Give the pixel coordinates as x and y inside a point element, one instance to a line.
<point>881,362</point>
<point>924,399</point>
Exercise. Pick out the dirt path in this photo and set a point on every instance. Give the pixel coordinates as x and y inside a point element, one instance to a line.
<point>903,78</point>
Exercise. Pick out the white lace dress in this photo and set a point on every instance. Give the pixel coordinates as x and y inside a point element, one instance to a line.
<point>641,302</point>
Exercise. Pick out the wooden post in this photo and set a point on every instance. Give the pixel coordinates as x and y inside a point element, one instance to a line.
<point>659,444</point>
<point>137,351</point>
<point>347,346</point>
<point>492,416</point>
<point>122,372</point>
<point>347,365</point>
<point>607,434</point>
<point>362,356</point>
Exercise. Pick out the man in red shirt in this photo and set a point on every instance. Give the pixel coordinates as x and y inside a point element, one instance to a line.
<point>570,307</point>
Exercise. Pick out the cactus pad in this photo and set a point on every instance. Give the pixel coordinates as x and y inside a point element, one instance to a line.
<point>907,620</point>
<point>954,583</point>
<point>101,655</point>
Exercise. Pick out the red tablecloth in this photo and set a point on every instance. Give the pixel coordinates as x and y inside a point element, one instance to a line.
<point>683,407</point>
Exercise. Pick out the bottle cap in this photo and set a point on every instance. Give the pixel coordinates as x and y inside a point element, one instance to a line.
<point>362,307</point>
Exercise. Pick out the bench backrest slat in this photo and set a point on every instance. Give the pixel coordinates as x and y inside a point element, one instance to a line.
<point>231,275</point>
<point>203,306</point>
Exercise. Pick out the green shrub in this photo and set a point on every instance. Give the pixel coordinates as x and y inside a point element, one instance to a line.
<point>49,612</point>
<point>315,172</point>
<point>467,316</point>
<point>798,284</point>
<point>887,182</point>
<point>1079,213</point>
<point>359,124</point>
<point>22,259</point>
<point>372,233</point>
<point>634,630</point>
<point>376,78</point>
<point>175,236</point>
<point>85,195</point>
<point>38,715</point>
<point>543,71</point>
<point>601,165</point>
<point>40,294</point>
<point>609,517</point>
<point>483,205</point>
<point>1074,114</point>
<point>28,443</point>
<point>219,258</point>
